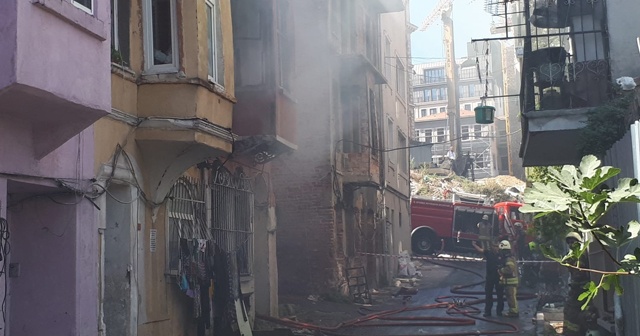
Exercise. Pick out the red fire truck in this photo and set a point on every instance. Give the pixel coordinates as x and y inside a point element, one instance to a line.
<point>452,226</point>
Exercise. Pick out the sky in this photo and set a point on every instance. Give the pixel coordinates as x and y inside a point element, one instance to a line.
<point>470,21</point>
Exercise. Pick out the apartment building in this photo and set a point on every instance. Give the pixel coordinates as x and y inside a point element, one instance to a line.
<point>331,192</point>
<point>54,84</point>
<point>480,142</point>
<point>589,45</point>
<point>183,165</point>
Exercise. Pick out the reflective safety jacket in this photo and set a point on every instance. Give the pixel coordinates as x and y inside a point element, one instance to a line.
<point>509,272</point>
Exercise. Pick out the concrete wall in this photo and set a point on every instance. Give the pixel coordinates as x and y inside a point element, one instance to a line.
<point>55,292</point>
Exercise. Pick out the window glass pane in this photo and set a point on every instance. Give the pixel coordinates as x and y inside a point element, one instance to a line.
<point>161,25</point>
<point>85,3</point>
<point>210,41</point>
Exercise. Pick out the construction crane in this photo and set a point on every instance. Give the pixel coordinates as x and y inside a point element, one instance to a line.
<point>443,10</point>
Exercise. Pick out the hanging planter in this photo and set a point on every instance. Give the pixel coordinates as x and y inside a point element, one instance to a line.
<point>484,114</point>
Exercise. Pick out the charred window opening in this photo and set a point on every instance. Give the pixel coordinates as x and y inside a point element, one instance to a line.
<point>373,122</point>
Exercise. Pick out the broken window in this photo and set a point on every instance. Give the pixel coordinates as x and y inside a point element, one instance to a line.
<point>120,17</point>
<point>160,35</point>
<point>214,42</point>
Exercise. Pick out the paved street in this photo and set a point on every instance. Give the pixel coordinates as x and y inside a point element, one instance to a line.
<point>447,320</point>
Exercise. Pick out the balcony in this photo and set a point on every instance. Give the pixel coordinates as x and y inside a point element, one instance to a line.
<point>360,168</point>
<point>55,79</point>
<point>565,75</point>
<point>265,116</point>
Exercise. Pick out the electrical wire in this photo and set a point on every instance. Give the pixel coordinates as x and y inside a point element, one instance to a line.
<point>5,249</point>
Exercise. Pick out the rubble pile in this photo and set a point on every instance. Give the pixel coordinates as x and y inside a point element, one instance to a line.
<point>499,188</point>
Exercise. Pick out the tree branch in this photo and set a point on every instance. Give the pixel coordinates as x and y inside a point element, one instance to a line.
<point>604,248</point>
<point>595,270</point>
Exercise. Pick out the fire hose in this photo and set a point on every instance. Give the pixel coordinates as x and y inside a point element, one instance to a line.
<point>454,304</point>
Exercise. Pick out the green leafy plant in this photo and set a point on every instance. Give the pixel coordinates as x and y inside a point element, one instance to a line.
<point>581,197</point>
<point>606,124</point>
<point>116,57</point>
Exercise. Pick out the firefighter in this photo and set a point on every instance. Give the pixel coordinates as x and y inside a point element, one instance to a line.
<point>509,278</point>
<point>492,278</point>
<point>484,232</point>
<point>575,320</point>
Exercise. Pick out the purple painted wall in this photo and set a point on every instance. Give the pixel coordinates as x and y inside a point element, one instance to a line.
<point>54,84</point>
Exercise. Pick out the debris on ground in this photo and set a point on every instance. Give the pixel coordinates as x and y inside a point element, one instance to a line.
<point>498,188</point>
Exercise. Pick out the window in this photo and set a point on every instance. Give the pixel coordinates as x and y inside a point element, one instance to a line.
<point>285,45</point>
<point>428,136</point>
<point>440,135</point>
<point>186,219</point>
<point>400,219</point>
<point>479,104</point>
<point>373,123</point>
<point>418,96</point>
<point>467,107</point>
<point>402,156</point>
<point>160,36</point>
<point>85,5</point>
<point>390,137</point>
<point>464,133</point>
<point>472,90</point>
<point>423,113</point>
<point>434,75</point>
<point>427,95</point>
<point>232,215</point>
<point>401,81</point>
<point>477,131</point>
<point>120,16</point>
<point>433,111</point>
<point>387,57</point>
<point>214,41</point>
<point>464,91</point>
<point>443,109</point>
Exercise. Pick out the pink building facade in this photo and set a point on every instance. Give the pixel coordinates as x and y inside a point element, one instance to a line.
<point>54,84</point>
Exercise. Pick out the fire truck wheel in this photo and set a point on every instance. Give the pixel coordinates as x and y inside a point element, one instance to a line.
<point>424,242</point>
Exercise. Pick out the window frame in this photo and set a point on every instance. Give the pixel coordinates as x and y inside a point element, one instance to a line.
<point>433,111</point>
<point>464,130</point>
<point>423,113</point>
<point>116,44</point>
<point>147,17</point>
<point>212,62</point>
<point>83,8</point>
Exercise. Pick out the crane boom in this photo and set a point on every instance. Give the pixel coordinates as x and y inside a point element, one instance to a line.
<point>441,7</point>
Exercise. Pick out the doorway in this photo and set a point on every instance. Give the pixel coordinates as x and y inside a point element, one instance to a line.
<point>119,274</point>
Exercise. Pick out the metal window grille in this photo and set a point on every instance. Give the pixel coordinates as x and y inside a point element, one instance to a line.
<point>232,216</point>
<point>187,218</point>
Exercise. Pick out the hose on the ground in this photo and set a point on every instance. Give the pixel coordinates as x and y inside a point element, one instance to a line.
<point>457,306</point>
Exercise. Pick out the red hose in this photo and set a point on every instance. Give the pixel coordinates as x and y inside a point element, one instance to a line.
<point>463,308</point>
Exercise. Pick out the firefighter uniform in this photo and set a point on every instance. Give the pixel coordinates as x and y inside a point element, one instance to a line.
<point>484,232</point>
<point>509,278</point>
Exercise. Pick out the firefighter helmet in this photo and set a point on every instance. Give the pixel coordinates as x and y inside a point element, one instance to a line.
<point>573,235</point>
<point>504,245</point>
<point>485,217</point>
